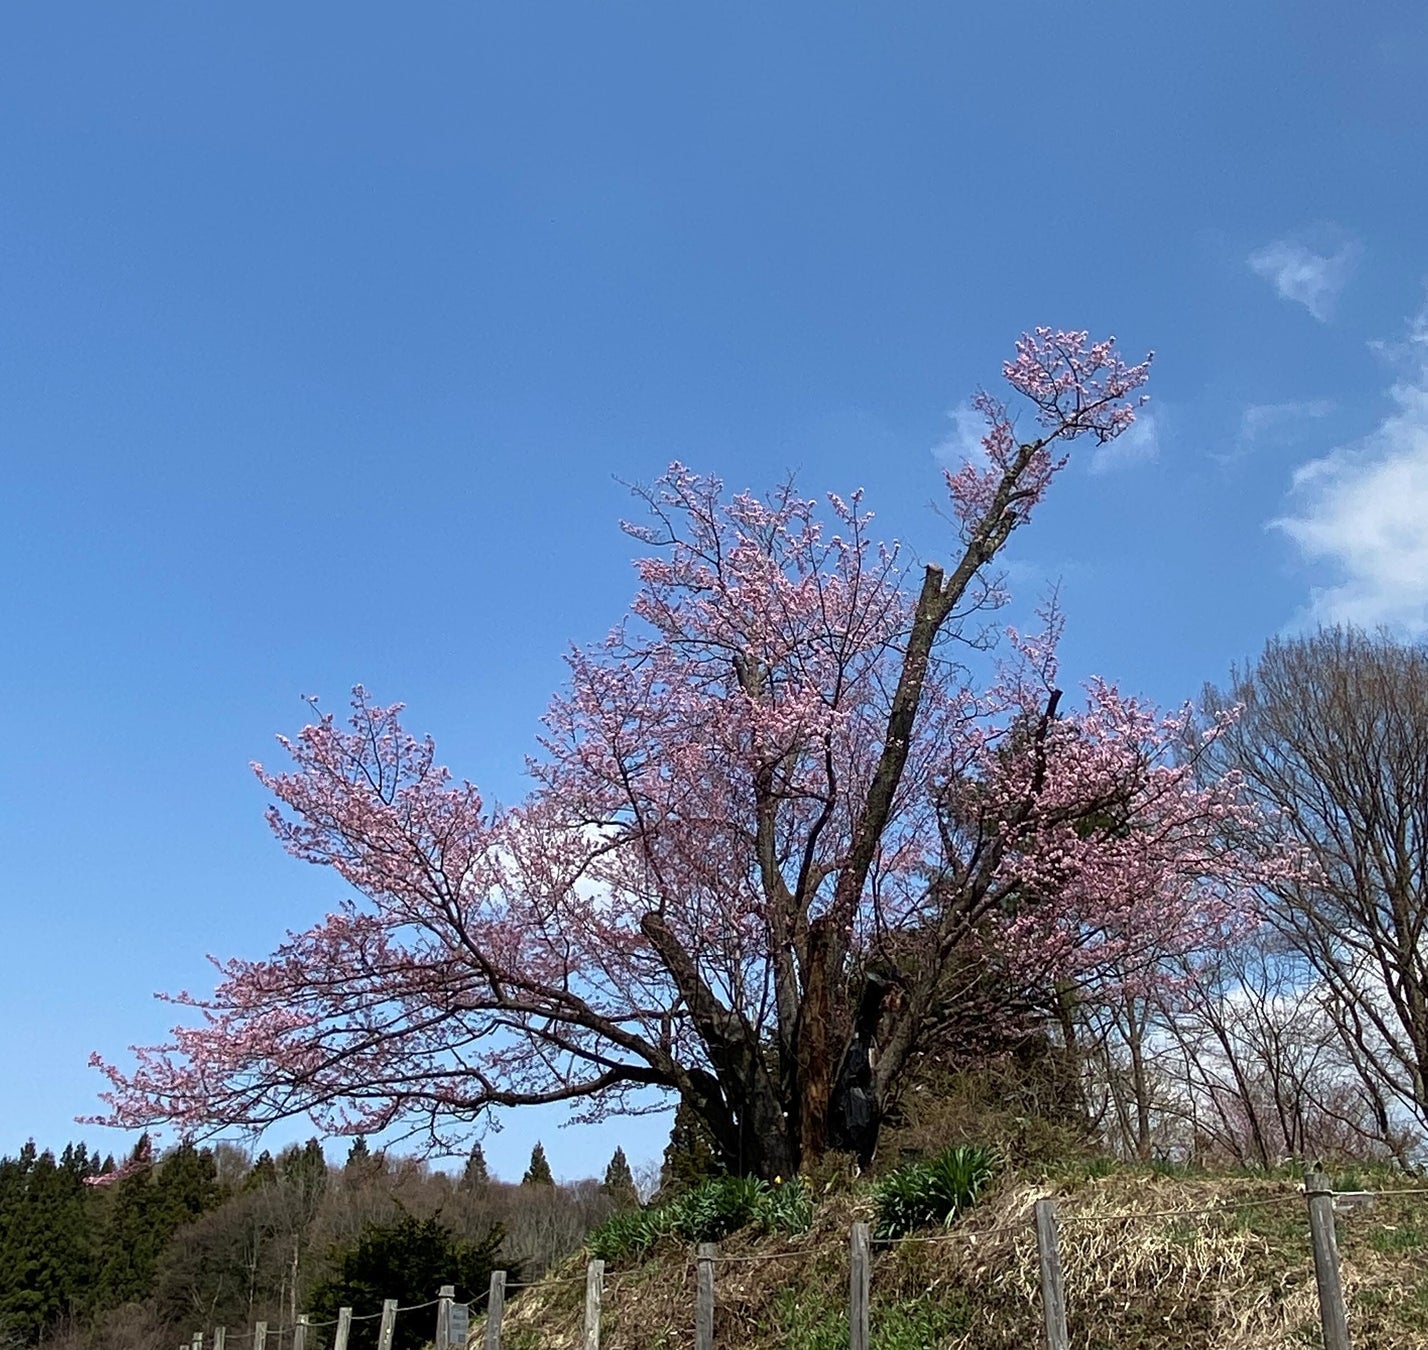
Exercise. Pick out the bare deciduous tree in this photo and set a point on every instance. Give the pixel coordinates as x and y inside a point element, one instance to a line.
<point>1333,739</point>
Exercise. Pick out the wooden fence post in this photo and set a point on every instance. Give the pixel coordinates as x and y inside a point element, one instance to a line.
<point>495,1306</point>
<point>704,1297</point>
<point>859,1283</point>
<point>198,1340</point>
<point>444,1297</point>
<point>594,1291</point>
<point>220,1335</point>
<point>1332,1314</point>
<point>1053,1296</point>
<point>344,1329</point>
<point>260,1336</point>
<point>388,1329</point>
<point>300,1333</point>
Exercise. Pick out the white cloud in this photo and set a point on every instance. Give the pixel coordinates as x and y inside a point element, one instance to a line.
<point>1276,421</point>
<point>1139,444</point>
<point>1271,425</point>
<point>1307,277</point>
<point>1362,510</point>
<point>964,441</point>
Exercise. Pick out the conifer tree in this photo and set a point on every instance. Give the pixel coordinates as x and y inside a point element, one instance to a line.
<point>475,1176</point>
<point>264,1173</point>
<point>129,1239</point>
<point>359,1156</point>
<point>619,1182</point>
<point>45,1245</point>
<point>689,1156</point>
<point>538,1173</point>
<point>305,1169</point>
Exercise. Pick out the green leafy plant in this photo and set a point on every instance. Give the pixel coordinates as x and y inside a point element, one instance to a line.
<point>787,1207</point>
<point>932,1193</point>
<point>709,1212</point>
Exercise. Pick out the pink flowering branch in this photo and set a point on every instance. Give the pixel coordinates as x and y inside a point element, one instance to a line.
<point>769,811</point>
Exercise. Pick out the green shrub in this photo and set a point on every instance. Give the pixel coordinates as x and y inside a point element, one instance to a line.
<point>787,1207</point>
<point>708,1213</point>
<point>717,1208</point>
<point>935,1192</point>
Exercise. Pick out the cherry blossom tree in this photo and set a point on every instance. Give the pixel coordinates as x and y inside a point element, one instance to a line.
<point>770,808</point>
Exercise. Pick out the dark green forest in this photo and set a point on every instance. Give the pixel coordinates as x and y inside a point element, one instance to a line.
<point>144,1252</point>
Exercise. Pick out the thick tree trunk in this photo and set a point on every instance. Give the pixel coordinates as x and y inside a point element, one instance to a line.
<point>814,1042</point>
<point>855,1112</point>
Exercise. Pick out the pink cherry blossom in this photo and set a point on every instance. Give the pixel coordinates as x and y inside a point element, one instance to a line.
<point>771,792</point>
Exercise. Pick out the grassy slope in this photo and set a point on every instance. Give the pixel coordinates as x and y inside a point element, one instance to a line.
<point>1239,1278</point>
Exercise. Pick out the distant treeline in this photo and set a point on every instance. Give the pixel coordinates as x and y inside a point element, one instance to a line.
<point>135,1255</point>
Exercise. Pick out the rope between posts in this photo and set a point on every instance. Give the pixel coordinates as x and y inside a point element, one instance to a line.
<point>1404,1190</point>
<point>719,1259</point>
<point>1090,1216</point>
<point>540,1284</point>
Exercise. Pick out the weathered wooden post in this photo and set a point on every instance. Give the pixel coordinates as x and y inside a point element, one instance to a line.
<point>198,1340</point>
<point>300,1333</point>
<point>1333,1316</point>
<point>704,1297</point>
<point>859,1284</point>
<point>1053,1296</point>
<point>594,1292</point>
<point>260,1336</point>
<point>220,1335</point>
<point>388,1328</point>
<point>444,1297</point>
<point>344,1329</point>
<point>496,1305</point>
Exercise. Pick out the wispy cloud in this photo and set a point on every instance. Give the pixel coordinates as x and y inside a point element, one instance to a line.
<point>1304,275</point>
<point>963,440</point>
<point>1272,425</point>
<point>1362,510</point>
<point>1140,444</point>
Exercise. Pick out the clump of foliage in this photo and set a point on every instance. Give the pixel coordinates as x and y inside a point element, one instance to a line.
<point>407,1260</point>
<point>709,1212</point>
<point>934,1192</point>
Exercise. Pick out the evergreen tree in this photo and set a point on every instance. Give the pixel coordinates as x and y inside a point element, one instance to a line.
<point>305,1169</point>
<point>364,1165</point>
<point>145,1210</point>
<point>186,1185</point>
<point>538,1173</point>
<point>264,1173</point>
<point>689,1157</point>
<point>619,1183</point>
<point>359,1156</point>
<point>475,1176</point>
<point>128,1240</point>
<point>46,1254</point>
<point>407,1260</point>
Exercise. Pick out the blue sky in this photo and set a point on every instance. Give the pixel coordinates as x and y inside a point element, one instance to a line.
<point>329,333</point>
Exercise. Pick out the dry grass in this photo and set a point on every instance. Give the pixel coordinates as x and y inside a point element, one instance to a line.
<point>1150,1263</point>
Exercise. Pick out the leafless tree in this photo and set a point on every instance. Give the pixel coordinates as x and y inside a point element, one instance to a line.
<point>1333,738</point>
